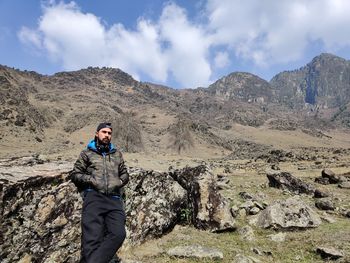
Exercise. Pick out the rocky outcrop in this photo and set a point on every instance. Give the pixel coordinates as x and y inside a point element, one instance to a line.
<point>208,209</point>
<point>244,86</point>
<point>40,208</point>
<point>324,81</point>
<point>40,214</point>
<point>290,214</point>
<point>286,181</point>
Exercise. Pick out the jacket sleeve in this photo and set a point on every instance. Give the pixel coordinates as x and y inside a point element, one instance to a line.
<point>123,172</point>
<point>79,174</point>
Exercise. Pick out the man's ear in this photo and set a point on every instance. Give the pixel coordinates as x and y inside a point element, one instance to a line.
<point>96,134</point>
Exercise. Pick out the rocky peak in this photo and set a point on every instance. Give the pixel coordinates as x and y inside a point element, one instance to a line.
<point>323,82</point>
<point>241,85</point>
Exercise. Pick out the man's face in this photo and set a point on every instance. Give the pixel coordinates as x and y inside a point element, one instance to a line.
<point>104,135</point>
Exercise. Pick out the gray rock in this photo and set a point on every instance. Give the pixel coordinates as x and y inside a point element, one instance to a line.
<point>322,180</point>
<point>286,181</point>
<point>324,204</point>
<point>195,251</point>
<point>254,211</point>
<point>155,203</point>
<point>292,213</point>
<point>320,194</point>
<point>329,253</point>
<point>209,209</point>
<point>332,177</point>
<point>344,184</point>
<point>247,205</point>
<point>246,196</point>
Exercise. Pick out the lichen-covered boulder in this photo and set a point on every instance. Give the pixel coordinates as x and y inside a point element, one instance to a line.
<point>286,181</point>
<point>154,204</point>
<point>209,210</point>
<point>292,213</point>
<point>40,214</point>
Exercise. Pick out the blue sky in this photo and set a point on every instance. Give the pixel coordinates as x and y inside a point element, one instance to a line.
<point>179,43</point>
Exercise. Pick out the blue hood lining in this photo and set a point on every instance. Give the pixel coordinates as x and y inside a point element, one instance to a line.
<point>92,146</point>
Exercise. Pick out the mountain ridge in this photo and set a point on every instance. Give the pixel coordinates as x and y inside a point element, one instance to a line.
<point>55,109</point>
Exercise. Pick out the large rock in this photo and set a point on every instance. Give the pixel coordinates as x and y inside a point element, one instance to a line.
<point>292,213</point>
<point>325,204</point>
<point>286,181</point>
<point>329,253</point>
<point>209,210</point>
<point>155,203</point>
<point>40,214</point>
<point>331,176</point>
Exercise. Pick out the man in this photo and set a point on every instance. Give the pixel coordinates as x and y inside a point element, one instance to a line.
<point>100,174</point>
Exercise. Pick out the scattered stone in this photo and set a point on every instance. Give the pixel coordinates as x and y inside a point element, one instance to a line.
<point>257,251</point>
<point>234,211</point>
<point>344,184</point>
<point>275,167</point>
<point>246,196</point>
<point>260,206</point>
<point>247,205</point>
<point>346,213</point>
<point>322,180</point>
<point>292,213</point>
<point>324,204</point>
<point>239,258</point>
<point>254,211</point>
<point>329,253</point>
<point>286,181</point>
<point>320,194</point>
<point>332,177</point>
<point>280,237</point>
<point>195,251</point>
<point>261,253</point>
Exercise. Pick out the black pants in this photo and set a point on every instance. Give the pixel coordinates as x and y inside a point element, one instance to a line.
<point>103,227</point>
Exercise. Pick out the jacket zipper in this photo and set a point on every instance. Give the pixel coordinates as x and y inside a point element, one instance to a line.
<point>105,173</point>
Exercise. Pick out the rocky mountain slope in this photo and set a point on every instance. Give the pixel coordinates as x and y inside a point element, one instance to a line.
<point>58,114</point>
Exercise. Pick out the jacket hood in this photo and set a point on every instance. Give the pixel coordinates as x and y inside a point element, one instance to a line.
<point>92,146</point>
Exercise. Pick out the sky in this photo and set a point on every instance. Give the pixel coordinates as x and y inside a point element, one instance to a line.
<point>178,43</point>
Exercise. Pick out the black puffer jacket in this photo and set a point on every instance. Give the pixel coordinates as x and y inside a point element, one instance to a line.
<point>104,172</point>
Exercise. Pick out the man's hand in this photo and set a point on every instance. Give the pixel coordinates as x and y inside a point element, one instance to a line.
<point>93,183</point>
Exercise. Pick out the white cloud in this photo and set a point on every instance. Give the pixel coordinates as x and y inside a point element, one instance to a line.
<point>173,45</point>
<point>221,59</point>
<point>266,32</point>
<point>30,37</point>
<point>270,32</point>
<point>188,47</point>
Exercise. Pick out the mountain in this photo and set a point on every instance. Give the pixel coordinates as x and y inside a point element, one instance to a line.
<point>244,86</point>
<point>324,82</point>
<point>58,113</point>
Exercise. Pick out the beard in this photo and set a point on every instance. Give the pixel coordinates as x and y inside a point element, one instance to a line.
<point>104,141</point>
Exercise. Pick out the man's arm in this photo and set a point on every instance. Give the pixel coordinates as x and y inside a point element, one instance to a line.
<point>123,172</point>
<point>79,175</point>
